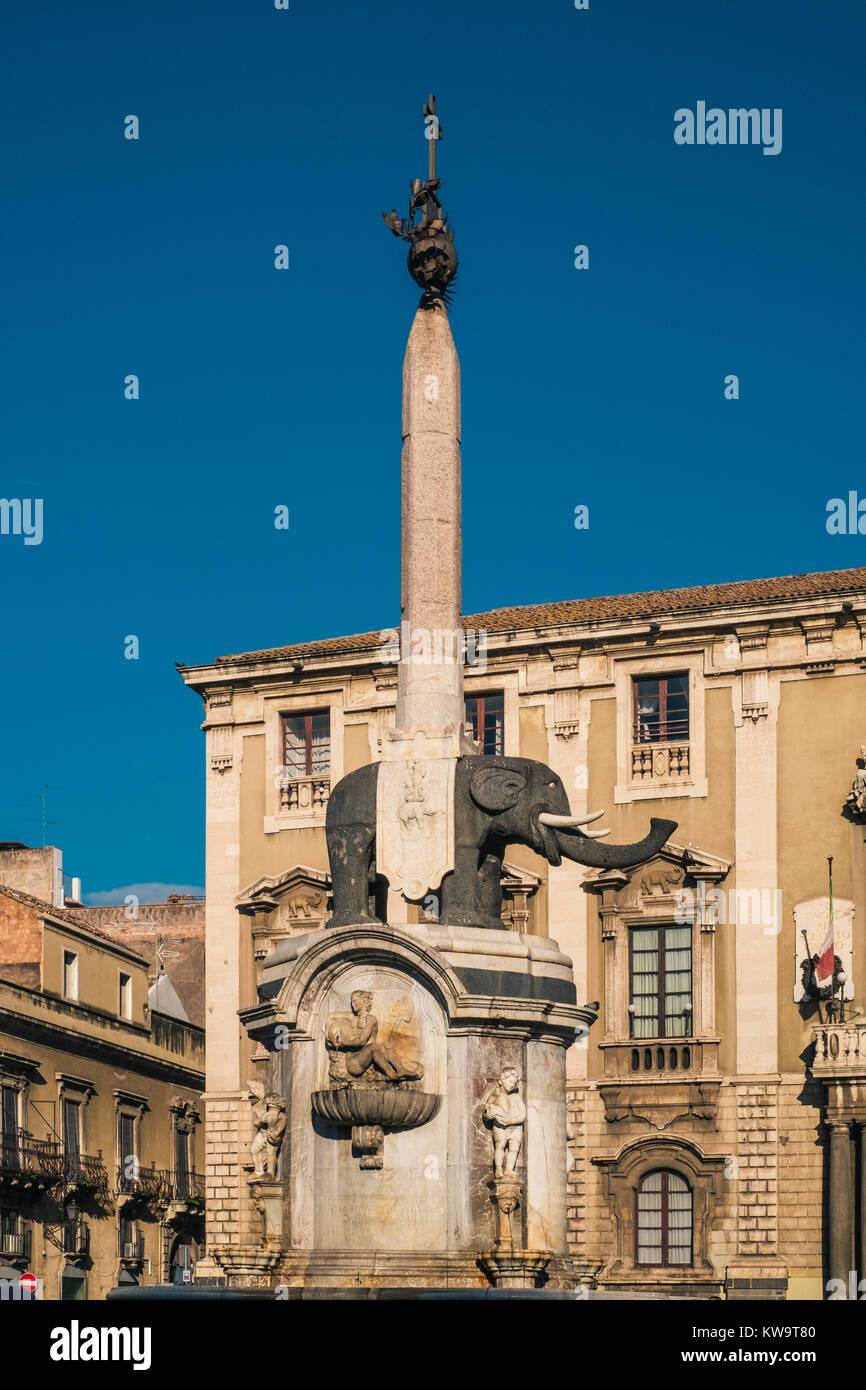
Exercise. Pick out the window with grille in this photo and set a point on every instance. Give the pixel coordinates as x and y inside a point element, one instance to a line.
<point>663,1220</point>
<point>126,1146</point>
<point>72,1127</point>
<point>307,744</point>
<point>486,714</point>
<point>661,709</point>
<point>661,982</point>
<point>181,1162</point>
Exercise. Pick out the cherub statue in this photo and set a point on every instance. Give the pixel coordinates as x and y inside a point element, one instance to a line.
<point>269,1122</point>
<point>856,798</point>
<point>505,1112</point>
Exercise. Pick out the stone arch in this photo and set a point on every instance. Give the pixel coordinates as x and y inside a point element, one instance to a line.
<point>620,1177</point>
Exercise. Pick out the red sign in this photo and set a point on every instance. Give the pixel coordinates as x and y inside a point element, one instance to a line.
<point>29,1283</point>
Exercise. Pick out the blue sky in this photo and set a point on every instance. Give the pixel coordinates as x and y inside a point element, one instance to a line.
<point>260,387</point>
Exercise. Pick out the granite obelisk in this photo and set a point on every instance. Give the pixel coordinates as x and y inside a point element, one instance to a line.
<point>430,690</point>
<point>415,819</point>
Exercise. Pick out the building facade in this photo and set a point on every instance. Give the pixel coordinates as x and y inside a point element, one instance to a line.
<point>101,1141</point>
<point>717,1106</point>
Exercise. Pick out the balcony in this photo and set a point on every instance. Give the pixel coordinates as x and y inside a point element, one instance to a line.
<point>15,1245</point>
<point>146,1185</point>
<point>187,1187</point>
<point>304,796</point>
<point>30,1163</point>
<point>130,1247</point>
<point>660,762</point>
<point>85,1173</point>
<point>840,1051</point>
<point>660,1059</point>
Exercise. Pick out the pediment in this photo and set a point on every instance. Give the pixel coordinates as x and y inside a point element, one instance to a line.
<point>285,905</point>
<point>662,876</point>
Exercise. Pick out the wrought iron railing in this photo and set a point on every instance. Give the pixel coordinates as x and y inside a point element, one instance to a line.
<point>24,1159</point>
<point>145,1183</point>
<point>75,1236</point>
<point>85,1171</point>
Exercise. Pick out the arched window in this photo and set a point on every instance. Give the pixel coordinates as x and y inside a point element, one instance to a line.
<point>663,1219</point>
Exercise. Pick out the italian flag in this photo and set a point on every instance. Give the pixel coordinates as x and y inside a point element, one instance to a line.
<point>827,954</point>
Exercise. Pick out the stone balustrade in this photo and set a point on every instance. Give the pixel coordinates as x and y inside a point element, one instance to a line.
<point>304,795</point>
<point>840,1048</point>
<point>659,762</point>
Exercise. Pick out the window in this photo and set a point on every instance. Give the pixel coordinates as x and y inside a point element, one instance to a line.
<point>126,1149</point>
<point>8,1127</point>
<point>70,975</point>
<point>307,744</point>
<point>72,1134</point>
<point>124,1007</point>
<point>661,982</point>
<point>663,1220</point>
<point>13,1240</point>
<point>661,709</point>
<point>181,1162</point>
<point>486,714</point>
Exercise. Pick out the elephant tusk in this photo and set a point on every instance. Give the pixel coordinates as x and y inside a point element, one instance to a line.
<point>547,818</point>
<point>596,834</point>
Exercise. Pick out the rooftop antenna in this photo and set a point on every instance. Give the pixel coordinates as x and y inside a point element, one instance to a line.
<point>42,818</point>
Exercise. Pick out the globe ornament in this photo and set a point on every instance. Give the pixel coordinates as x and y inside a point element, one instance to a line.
<point>432,260</point>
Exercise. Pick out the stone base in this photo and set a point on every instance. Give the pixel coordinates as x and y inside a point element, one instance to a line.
<point>515,1269</point>
<point>246,1263</point>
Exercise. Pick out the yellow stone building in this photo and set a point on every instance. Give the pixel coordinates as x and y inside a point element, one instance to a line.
<point>100,1133</point>
<point>718,1106</point>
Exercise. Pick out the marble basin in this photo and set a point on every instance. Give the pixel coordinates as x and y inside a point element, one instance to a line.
<point>386,1106</point>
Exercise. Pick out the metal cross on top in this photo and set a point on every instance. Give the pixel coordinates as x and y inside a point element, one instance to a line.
<point>433,132</point>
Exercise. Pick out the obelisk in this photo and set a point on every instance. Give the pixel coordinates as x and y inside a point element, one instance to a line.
<point>414,827</point>
<point>430,690</point>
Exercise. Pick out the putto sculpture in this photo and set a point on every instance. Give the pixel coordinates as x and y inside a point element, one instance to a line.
<point>269,1123</point>
<point>855,802</point>
<point>505,1112</point>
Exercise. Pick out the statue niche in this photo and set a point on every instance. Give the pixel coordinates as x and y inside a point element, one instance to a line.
<point>374,1070</point>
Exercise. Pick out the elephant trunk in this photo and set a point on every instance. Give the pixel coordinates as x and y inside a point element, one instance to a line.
<point>575,845</point>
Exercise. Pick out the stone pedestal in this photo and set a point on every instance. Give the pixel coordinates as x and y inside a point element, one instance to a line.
<point>387,1044</point>
<point>267,1197</point>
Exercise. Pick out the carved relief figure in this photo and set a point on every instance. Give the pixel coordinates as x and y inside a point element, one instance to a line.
<point>354,1047</point>
<point>855,801</point>
<point>505,1112</point>
<point>269,1122</point>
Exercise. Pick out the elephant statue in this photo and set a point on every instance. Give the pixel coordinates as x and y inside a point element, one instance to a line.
<point>498,802</point>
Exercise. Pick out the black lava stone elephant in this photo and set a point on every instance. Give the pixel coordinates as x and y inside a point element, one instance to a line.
<point>497,802</point>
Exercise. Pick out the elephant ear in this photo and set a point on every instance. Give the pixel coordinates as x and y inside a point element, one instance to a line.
<point>496,788</point>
